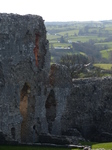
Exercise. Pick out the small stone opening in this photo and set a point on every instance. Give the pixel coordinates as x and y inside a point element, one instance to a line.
<point>24,110</point>
<point>50,106</point>
<point>13,133</point>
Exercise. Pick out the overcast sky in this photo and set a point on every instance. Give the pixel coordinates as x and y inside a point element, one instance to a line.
<point>60,10</point>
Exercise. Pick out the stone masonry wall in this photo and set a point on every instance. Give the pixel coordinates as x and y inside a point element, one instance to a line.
<point>89,109</point>
<point>84,106</point>
<point>24,67</point>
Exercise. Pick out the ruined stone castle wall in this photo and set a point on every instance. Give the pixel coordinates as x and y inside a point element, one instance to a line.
<point>89,109</point>
<point>24,67</point>
<point>36,99</point>
<point>84,106</point>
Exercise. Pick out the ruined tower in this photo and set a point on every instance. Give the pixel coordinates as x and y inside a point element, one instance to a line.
<point>24,68</point>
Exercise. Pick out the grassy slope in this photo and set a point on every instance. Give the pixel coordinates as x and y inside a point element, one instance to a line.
<point>93,146</point>
<point>102,145</point>
<point>99,145</point>
<point>104,66</point>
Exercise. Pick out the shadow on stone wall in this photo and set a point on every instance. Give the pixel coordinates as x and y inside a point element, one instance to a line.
<point>50,106</point>
<point>24,111</point>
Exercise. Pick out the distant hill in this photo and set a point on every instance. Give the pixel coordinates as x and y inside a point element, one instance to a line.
<point>94,38</point>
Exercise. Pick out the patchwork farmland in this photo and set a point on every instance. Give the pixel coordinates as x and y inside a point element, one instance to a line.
<point>93,39</point>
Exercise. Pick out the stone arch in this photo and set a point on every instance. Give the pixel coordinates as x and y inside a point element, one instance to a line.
<point>50,106</point>
<point>24,110</point>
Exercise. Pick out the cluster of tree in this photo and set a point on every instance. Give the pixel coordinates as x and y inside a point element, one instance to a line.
<point>88,48</point>
<point>108,39</point>
<point>81,66</point>
<point>62,40</point>
<point>75,63</point>
<point>87,30</point>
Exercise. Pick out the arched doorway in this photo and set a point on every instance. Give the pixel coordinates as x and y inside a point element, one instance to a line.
<point>50,106</point>
<point>24,111</point>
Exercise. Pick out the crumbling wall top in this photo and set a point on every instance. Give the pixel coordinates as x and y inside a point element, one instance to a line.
<point>11,23</point>
<point>23,38</point>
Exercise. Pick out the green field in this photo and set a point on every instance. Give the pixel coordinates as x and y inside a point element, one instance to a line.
<point>69,32</point>
<point>105,146</point>
<point>54,38</point>
<point>106,53</point>
<point>104,66</point>
<point>109,44</point>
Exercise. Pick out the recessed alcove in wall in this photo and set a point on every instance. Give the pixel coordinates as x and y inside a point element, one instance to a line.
<point>24,110</point>
<point>13,133</point>
<point>50,106</point>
